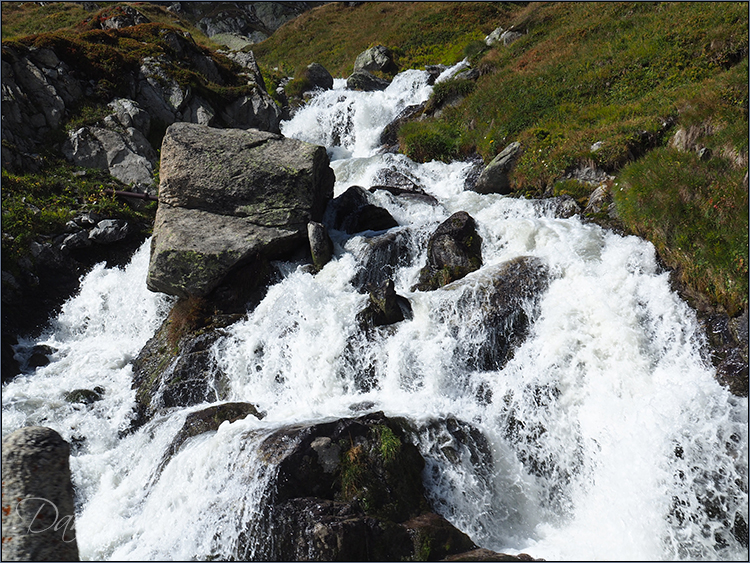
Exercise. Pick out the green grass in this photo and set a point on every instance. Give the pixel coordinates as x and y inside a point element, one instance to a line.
<point>418,34</point>
<point>696,214</point>
<point>40,204</point>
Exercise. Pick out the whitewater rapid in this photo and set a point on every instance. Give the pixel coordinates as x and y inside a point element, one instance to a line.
<point>608,436</point>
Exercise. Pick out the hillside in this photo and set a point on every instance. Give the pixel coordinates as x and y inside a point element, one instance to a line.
<point>650,98</point>
<point>604,86</point>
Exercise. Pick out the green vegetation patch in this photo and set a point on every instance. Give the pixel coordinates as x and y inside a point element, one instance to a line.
<point>40,204</point>
<point>418,34</point>
<point>696,214</point>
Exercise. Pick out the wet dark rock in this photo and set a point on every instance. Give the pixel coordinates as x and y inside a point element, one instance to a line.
<point>482,554</point>
<point>498,310</point>
<point>321,246</point>
<point>85,396</point>
<point>352,212</point>
<point>164,377</point>
<point>395,178</point>
<point>454,250</point>
<point>728,349</point>
<point>313,529</point>
<point>38,511</point>
<point>10,366</point>
<point>381,256</point>
<point>208,420</point>
<point>435,538</point>
<point>375,465</point>
<point>435,71</point>
<point>414,195</point>
<point>389,136</point>
<point>366,81</point>
<point>385,307</point>
<point>350,489</point>
<point>40,356</point>
<point>564,206</point>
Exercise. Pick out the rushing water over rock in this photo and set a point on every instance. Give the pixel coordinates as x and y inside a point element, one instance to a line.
<point>602,434</point>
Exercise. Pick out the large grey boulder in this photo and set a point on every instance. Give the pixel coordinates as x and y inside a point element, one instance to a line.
<point>38,512</point>
<point>227,195</point>
<point>377,58</point>
<point>495,178</point>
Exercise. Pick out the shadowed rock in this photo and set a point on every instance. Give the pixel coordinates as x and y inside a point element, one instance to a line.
<point>38,511</point>
<point>454,250</point>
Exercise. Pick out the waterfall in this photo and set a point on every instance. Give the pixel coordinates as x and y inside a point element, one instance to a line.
<point>604,436</point>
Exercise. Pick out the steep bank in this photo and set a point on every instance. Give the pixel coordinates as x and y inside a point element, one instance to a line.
<point>589,90</point>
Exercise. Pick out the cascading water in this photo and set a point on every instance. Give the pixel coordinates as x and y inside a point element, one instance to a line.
<point>605,435</point>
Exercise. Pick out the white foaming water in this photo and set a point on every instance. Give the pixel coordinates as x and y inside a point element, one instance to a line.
<point>605,435</point>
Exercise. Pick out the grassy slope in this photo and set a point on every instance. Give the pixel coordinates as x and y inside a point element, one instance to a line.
<point>627,75</point>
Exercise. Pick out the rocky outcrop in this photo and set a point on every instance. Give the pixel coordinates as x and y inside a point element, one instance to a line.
<point>227,196</point>
<point>495,178</point>
<point>38,511</point>
<point>352,212</point>
<point>251,21</point>
<point>350,490</point>
<point>454,250</point>
<point>43,88</point>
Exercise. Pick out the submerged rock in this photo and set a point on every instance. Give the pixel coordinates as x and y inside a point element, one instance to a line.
<point>385,307</point>
<point>497,310</point>
<point>380,256</point>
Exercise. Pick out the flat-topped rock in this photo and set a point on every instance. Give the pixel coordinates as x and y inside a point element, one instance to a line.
<point>227,196</point>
